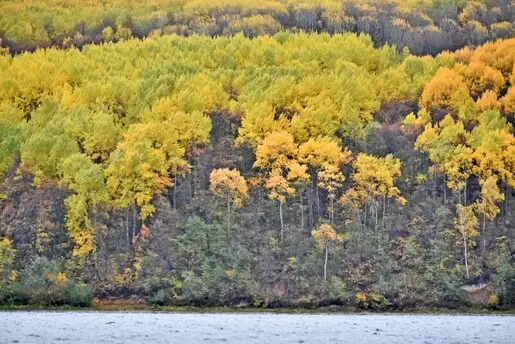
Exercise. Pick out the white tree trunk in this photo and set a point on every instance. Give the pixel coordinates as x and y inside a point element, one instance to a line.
<point>281,218</point>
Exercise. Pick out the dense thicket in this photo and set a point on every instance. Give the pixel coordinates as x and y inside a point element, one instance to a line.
<point>425,26</point>
<point>292,169</point>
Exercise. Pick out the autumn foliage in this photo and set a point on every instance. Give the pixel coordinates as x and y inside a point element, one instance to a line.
<point>286,168</point>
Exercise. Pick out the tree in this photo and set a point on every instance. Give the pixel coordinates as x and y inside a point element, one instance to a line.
<point>487,206</point>
<point>7,254</point>
<point>276,156</point>
<point>466,225</point>
<point>86,179</point>
<point>331,179</point>
<point>324,158</point>
<point>324,236</point>
<point>445,142</point>
<point>374,182</point>
<point>135,173</point>
<point>447,90</point>
<point>231,186</point>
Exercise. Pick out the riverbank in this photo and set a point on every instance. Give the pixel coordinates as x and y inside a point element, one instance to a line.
<point>130,306</point>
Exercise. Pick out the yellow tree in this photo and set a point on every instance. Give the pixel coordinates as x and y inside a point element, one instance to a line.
<point>324,236</point>
<point>467,227</point>
<point>374,182</point>
<point>276,156</point>
<point>331,179</point>
<point>487,206</point>
<point>135,173</point>
<point>447,90</point>
<point>324,157</point>
<point>458,169</point>
<point>86,179</point>
<point>231,186</point>
<point>445,143</point>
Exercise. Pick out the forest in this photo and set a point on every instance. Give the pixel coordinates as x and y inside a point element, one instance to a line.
<point>236,163</point>
<point>424,26</point>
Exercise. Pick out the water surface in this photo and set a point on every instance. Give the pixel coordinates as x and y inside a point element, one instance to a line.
<point>146,328</point>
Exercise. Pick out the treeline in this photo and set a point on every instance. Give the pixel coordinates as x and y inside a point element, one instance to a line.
<point>424,26</point>
<point>297,169</point>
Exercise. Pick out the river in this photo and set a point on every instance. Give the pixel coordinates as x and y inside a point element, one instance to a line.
<point>146,328</point>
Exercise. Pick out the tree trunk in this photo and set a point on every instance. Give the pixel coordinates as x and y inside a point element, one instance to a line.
<point>434,186</point>
<point>444,190</point>
<point>134,215</point>
<point>325,262</point>
<point>465,194</point>
<point>301,212</point>
<point>175,193</point>
<point>465,253</point>
<point>483,234</point>
<point>365,218</point>
<point>332,208</point>
<point>312,203</point>
<point>281,218</point>
<point>376,210</point>
<point>228,214</point>
<point>378,240</point>
<point>384,212</point>
<point>127,228</point>
<point>318,204</point>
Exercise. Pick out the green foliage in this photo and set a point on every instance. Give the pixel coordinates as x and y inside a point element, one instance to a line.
<point>43,283</point>
<point>338,289</point>
<point>194,289</point>
<point>78,294</point>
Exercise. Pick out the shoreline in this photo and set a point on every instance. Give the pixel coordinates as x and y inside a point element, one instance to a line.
<point>256,310</point>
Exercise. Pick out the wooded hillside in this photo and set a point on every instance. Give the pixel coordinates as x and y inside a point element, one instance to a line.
<point>292,169</point>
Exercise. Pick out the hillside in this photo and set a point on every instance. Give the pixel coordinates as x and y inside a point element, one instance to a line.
<point>292,169</point>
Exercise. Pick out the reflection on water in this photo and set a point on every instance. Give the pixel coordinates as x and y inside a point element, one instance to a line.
<point>128,328</point>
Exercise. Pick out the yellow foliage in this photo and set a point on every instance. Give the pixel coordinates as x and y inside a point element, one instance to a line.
<point>229,184</point>
<point>508,101</point>
<point>277,156</point>
<point>490,196</point>
<point>446,90</point>
<point>467,223</point>
<point>488,101</point>
<point>481,78</point>
<point>325,234</point>
<point>374,179</point>
<point>323,151</point>
<point>493,300</point>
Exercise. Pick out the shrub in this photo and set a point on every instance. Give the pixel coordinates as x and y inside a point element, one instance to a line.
<point>78,295</point>
<point>193,288</point>
<point>43,282</point>
<point>338,289</point>
<point>160,297</point>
